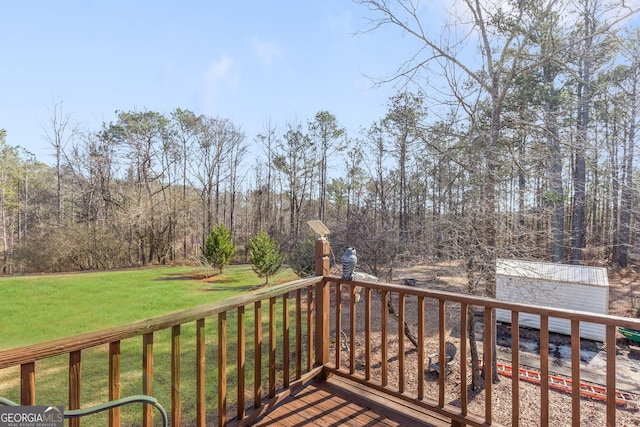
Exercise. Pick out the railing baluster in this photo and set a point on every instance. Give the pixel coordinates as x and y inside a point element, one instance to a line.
<point>515,368</point>
<point>442,330</point>
<point>200,374</point>
<point>401,300</point>
<point>310,319</point>
<point>257,366</point>
<point>75,360</point>
<point>488,343</point>
<point>222,368</point>
<point>114,381</point>
<point>241,362</point>
<point>575,372</point>
<point>272,346</point>
<point>322,323</point>
<point>464,319</point>
<point>28,383</point>
<point>544,371</point>
<point>298,333</point>
<point>352,329</point>
<point>611,375</point>
<point>338,342</point>
<point>147,377</point>
<point>367,333</point>
<point>384,316</point>
<point>285,339</point>
<point>420,347</point>
<point>176,402</point>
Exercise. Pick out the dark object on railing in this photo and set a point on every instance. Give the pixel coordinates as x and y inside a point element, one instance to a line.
<point>450,351</point>
<point>349,260</point>
<point>409,281</point>
<point>630,334</point>
<point>77,413</point>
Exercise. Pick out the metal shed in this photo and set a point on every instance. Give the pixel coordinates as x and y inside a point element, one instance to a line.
<point>573,287</point>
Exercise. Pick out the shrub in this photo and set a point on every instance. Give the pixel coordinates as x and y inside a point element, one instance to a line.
<point>265,256</point>
<point>219,248</point>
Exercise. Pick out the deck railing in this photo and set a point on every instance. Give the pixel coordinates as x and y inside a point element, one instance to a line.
<point>284,310</point>
<point>353,354</point>
<point>273,341</point>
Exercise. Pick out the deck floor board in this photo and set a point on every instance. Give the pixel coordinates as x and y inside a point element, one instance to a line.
<point>338,402</point>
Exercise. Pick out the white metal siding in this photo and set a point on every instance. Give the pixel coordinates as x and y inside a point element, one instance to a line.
<point>554,285</point>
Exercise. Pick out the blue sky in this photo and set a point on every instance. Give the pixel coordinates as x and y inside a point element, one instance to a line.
<point>249,61</point>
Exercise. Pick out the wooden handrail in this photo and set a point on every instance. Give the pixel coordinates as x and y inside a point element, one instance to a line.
<point>582,316</point>
<point>31,353</point>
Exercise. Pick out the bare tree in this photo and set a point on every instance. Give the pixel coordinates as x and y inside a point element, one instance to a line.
<point>237,151</point>
<point>144,137</point>
<point>8,166</point>
<point>632,72</point>
<point>403,123</point>
<point>505,36</point>
<point>325,133</point>
<point>502,33</point>
<point>210,153</point>
<point>186,125</point>
<point>268,139</point>
<point>58,133</point>
<point>294,161</point>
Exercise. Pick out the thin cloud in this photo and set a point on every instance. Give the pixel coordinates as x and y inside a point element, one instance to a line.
<point>219,77</point>
<point>266,51</point>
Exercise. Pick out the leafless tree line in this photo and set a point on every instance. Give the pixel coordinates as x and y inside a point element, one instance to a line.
<point>517,140</point>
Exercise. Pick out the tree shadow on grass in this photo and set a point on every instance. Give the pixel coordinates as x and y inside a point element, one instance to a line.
<point>195,276</point>
<point>213,283</point>
<point>210,283</point>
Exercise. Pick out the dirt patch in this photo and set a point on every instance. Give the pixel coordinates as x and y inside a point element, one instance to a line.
<point>624,293</point>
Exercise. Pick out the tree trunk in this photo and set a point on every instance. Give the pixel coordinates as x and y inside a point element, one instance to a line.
<point>556,192</point>
<point>476,379</point>
<point>579,176</point>
<point>407,331</point>
<point>627,190</point>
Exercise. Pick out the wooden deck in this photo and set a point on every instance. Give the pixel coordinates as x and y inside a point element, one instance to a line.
<point>340,402</point>
<point>292,344</point>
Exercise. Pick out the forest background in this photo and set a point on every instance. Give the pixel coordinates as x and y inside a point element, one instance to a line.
<point>528,154</point>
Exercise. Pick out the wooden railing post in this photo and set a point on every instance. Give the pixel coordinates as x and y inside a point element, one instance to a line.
<point>147,377</point>
<point>114,381</point>
<point>176,402</point>
<point>200,374</point>
<point>75,361</point>
<point>322,250</point>
<point>28,384</point>
<point>322,257</point>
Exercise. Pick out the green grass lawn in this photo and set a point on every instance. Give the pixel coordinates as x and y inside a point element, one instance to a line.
<point>41,308</point>
<point>45,307</point>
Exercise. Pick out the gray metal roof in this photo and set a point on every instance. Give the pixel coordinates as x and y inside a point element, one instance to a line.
<point>595,276</point>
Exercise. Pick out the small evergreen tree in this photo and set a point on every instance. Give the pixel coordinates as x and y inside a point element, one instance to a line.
<point>265,256</point>
<point>219,248</point>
